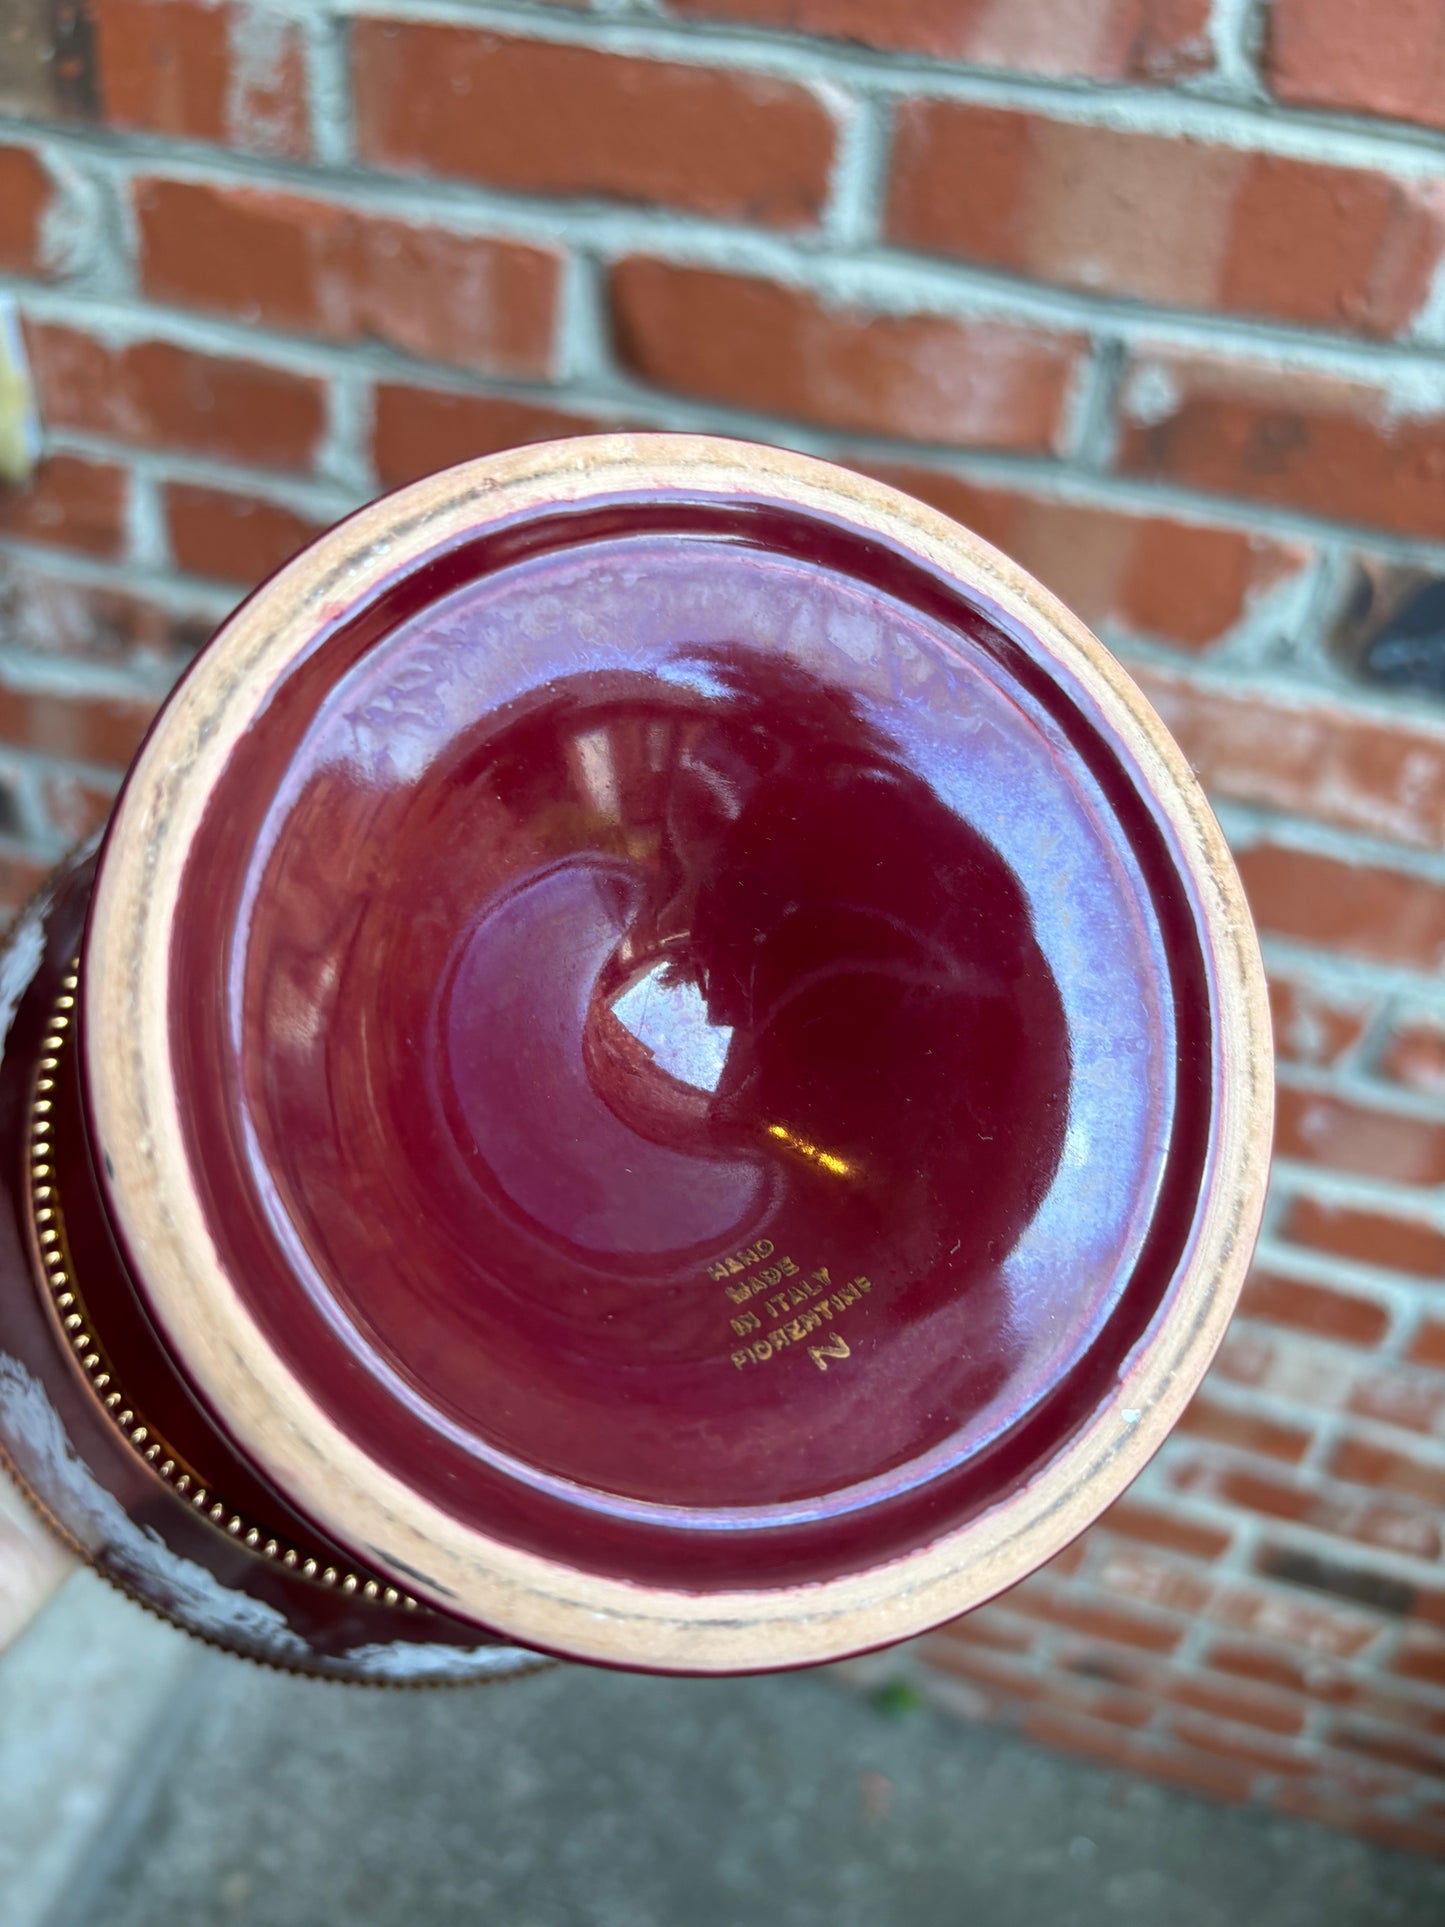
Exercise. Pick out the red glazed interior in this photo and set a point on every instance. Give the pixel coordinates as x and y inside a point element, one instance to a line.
<point>694,1042</point>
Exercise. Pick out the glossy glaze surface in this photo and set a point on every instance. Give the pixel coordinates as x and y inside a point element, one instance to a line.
<point>693,1042</point>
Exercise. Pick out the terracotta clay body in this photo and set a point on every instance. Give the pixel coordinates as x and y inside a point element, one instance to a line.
<point>669,1064</point>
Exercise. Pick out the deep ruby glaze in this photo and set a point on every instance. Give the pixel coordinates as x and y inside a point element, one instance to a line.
<point>694,1041</point>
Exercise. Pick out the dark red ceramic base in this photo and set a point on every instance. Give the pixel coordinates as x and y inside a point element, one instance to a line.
<point>630,1003</point>
<point>132,1486</point>
<point>670,1051</point>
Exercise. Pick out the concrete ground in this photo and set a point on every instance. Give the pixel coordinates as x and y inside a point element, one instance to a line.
<point>149,1783</point>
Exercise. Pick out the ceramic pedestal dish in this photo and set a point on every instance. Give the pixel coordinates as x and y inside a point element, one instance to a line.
<point>662,1063</point>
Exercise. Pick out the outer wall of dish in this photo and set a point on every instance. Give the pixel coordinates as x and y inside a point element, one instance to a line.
<point>87,1479</point>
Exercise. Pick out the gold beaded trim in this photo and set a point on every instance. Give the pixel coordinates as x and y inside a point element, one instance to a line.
<point>79,1333</point>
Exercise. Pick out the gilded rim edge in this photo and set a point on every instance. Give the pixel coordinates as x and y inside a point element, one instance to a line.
<point>77,1331</point>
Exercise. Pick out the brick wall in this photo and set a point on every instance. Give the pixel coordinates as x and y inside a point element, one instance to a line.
<point>1148,291</point>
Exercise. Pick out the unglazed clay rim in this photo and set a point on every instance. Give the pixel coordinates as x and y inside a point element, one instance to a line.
<point>269,1413</point>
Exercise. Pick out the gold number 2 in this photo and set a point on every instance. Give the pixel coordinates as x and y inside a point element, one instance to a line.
<point>836,1347</point>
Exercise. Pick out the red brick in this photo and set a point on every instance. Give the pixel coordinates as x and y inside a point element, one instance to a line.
<point>1311,1678</point>
<point>159,395</point>
<point>237,538</point>
<point>1180,581</point>
<point>1107,1664</point>
<point>1423,1835</point>
<point>1349,1231</point>
<point>1362,908</point>
<point>1245,1358</point>
<point>1079,1689</point>
<point>1093,39</point>
<point>1209,1418</point>
<point>1399,1708</point>
<point>202,71</point>
<point>1094,1699</point>
<point>542,118</point>
<point>76,806</point>
<point>1221,1779</point>
<point>1326,444</point>
<point>1310,1027</point>
<point>1415,1057</point>
<point>1319,759</point>
<point>1428,1347</point>
<point>1164,220</point>
<point>1064,1564</point>
<point>758,344</point>
<point>1075,1735</point>
<point>288,261</point>
<point>1333,1632</point>
<point>1316,1377</point>
<point>1387,58</point>
<point>92,729</point>
<point>1229,1744</point>
<point>1327,1803</point>
<point>70,501</point>
<point>1371,1781</point>
<point>1154,1582</point>
<point>1430,1604</point>
<point>1421,1656</point>
<point>1362,1462</point>
<point>1402,1707</point>
<point>53,615</point>
<point>1382,1592</point>
<point>25,194</point>
<point>1323,1129</point>
<point>1401,1529</point>
<point>1098,1620</point>
<point>1118,1708</point>
<point>1156,1527</point>
<point>958,1697</point>
<point>985,1628</point>
<point>1345,1790</point>
<point>984,1669</point>
<point>418,430</point>
<point>1413,1401</point>
<point>1319,1309</point>
<point>1415,1756</point>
